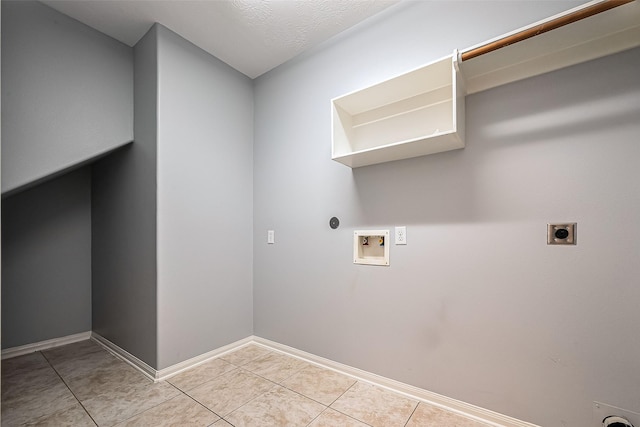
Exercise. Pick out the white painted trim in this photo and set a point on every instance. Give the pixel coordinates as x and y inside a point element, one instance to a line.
<point>170,371</point>
<point>462,408</point>
<point>163,374</point>
<point>125,356</point>
<point>44,345</point>
<point>465,409</point>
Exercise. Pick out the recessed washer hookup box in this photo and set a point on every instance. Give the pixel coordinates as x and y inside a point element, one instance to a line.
<point>371,247</point>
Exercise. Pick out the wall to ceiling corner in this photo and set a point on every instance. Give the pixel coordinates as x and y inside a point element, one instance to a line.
<point>69,93</point>
<point>205,201</point>
<point>476,306</point>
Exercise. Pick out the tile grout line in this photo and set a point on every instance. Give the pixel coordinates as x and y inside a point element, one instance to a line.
<point>483,416</point>
<point>317,416</point>
<point>235,368</point>
<point>68,388</point>
<point>238,367</point>
<point>326,407</point>
<point>275,383</point>
<point>87,412</point>
<point>185,392</point>
<point>298,393</point>
<point>306,397</point>
<point>252,399</point>
<point>412,412</point>
<point>198,403</point>
<point>345,392</point>
<point>155,406</point>
<point>287,388</point>
<point>279,383</point>
<point>340,412</point>
<point>271,381</point>
<point>314,400</point>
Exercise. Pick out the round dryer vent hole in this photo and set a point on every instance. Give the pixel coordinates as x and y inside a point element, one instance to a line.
<point>334,223</point>
<point>615,421</point>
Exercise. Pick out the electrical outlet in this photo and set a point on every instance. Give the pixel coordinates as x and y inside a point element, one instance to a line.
<point>561,234</point>
<point>271,237</point>
<point>401,235</point>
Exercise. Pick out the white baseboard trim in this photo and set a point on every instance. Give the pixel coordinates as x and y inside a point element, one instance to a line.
<point>465,409</point>
<point>125,356</point>
<point>8,353</point>
<point>170,371</point>
<point>163,374</point>
<point>462,408</point>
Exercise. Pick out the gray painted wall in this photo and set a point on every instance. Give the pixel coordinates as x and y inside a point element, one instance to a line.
<point>476,307</point>
<point>205,201</point>
<point>124,224</point>
<point>172,218</point>
<point>46,261</point>
<point>67,94</point>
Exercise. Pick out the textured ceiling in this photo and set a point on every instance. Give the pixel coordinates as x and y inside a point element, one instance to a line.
<point>252,36</point>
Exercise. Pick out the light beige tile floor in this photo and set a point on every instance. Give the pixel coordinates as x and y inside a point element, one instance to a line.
<point>81,384</point>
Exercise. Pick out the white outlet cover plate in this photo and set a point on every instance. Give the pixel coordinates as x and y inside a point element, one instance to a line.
<point>602,410</point>
<point>401,235</point>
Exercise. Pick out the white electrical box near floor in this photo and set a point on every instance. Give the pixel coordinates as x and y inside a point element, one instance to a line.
<point>371,247</point>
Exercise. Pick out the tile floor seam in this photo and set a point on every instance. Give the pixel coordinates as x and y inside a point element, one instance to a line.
<point>268,402</point>
<point>342,413</point>
<point>275,382</point>
<point>248,361</point>
<point>304,395</point>
<point>317,416</point>
<point>258,375</point>
<point>385,392</point>
<point>343,393</point>
<point>69,388</point>
<point>208,381</point>
<point>163,402</point>
<point>250,400</point>
<point>326,407</point>
<point>294,391</point>
<point>412,412</point>
<point>176,379</point>
<point>198,403</point>
<point>294,373</point>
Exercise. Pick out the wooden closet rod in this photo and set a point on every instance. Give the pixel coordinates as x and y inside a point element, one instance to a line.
<point>543,28</point>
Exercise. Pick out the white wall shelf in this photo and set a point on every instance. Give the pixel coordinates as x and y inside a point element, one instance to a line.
<point>417,113</point>
<point>423,111</point>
